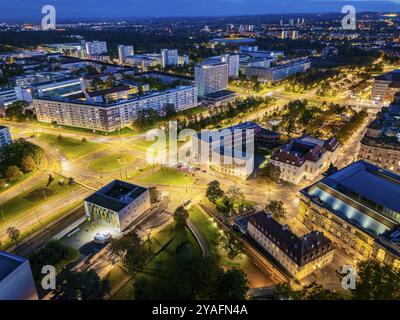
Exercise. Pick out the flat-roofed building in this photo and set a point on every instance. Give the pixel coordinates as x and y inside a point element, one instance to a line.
<point>386,86</point>
<point>211,76</point>
<point>5,136</point>
<point>118,204</point>
<point>300,256</point>
<point>16,279</point>
<point>111,116</point>
<point>358,208</point>
<point>305,158</point>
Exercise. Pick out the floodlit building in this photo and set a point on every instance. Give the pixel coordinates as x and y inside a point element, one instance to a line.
<point>300,256</point>
<point>232,60</point>
<point>232,150</point>
<point>10,95</point>
<point>386,86</point>
<point>16,279</point>
<point>95,48</point>
<point>211,76</point>
<point>118,204</point>
<point>358,208</point>
<point>123,52</point>
<point>5,136</point>
<point>110,116</point>
<point>381,142</point>
<point>305,158</point>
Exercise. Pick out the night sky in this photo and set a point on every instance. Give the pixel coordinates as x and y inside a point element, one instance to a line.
<point>31,9</point>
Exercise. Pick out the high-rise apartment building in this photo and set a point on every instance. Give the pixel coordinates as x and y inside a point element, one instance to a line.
<point>96,48</point>
<point>123,52</point>
<point>211,76</point>
<point>5,136</point>
<point>169,57</point>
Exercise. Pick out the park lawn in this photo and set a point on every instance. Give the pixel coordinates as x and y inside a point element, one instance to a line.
<point>112,162</point>
<point>169,176</point>
<point>164,261</point>
<point>70,147</point>
<point>17,181</point>
<point>35,196</point>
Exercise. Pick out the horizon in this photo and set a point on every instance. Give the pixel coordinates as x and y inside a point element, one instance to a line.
<point>73,10</point>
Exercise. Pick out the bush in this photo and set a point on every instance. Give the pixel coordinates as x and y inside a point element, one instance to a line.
<point>12,173</point>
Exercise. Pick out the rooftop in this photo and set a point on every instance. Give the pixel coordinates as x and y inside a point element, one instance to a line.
<point>8,263</point>
<point>116,195</point>
<point>301,249</point>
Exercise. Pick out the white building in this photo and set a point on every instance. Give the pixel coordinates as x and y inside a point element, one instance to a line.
<point>169,57</point>
<point>96,48</point>
<point>123,52</point>
<point>300,256</point>
<point>232,60</point>
<point>305,158</point>
<point>16,279</point>
<point>211,76</point>
<point>114,115</point>
<point>10,95</point>
<point>5,136</point>
<point>118,204</point>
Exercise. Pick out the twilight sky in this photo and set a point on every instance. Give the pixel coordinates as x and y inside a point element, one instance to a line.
<point>31,9</point>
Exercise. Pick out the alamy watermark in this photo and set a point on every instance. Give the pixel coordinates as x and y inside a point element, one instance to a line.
<point>49,20</point>
<point>349,20</point>
<point>349,277</point>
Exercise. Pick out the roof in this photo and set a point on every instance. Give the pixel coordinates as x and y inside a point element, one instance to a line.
<point>8,263</point>
<point>297,151</point>
<point>302,250</point>
<point>370,181</point>
<point>108,91</point>
<point>116,195</point>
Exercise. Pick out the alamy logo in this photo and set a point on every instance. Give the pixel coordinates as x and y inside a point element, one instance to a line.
<point>349,277</point>
<point>349,20</point>
<point>49,20</point>
<point>49,280</point>
<point>233,147</point>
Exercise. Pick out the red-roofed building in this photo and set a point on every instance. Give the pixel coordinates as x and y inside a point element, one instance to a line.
<point>305,158</point>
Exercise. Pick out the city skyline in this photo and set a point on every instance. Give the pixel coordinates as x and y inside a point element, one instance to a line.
<point>20,10</point>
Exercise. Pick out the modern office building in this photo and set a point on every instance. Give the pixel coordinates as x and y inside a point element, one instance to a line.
<point>211,76</point>
<point>254,52</point>
<point>358,208</point>
<point>169,57</point>
<point>114,115</point>
<point>117,205</point>
<point>233,63</point>
<point>5,136</point>
<point>300,256</point>
<point>96,48</point>
<point>278,72</point>
<point>305,158</point>
<point>123,52</point>
<point>381,142</point>
<point>16,279</point>
<point>386,86</point>
<point>232,150</point>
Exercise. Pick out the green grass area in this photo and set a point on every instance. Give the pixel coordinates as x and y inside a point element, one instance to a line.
<point>10,184</point>
<point>163,262</point>
<point>169,176</point>
<point>38,195</point>
<point>112,162</point>
<point>70,147</point>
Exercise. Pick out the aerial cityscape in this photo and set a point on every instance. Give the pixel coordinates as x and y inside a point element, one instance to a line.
<point>249,153</point>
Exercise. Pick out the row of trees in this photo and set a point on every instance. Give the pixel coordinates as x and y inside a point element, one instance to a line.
<point>18,111</point>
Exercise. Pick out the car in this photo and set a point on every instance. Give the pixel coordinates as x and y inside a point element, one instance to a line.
<point>187,202</point>
<point>102,237</point>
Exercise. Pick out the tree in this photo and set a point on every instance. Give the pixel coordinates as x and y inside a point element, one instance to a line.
<point>132,251</point>
<point>376,281</point>
<point>231,285</point>
<point>84,140</point>
<point>55,253</point>
<point>12,173</point>
<point>16,111</point>
<point>169,110</point>
<point>71,181</point>
<point>27,163</point>
<point>214,191</point>
<point>235,194</point>
<point>82,286</point>
<point>13,234</point>
<point>60,138</point>
<point>276,208</point>
<point>180,217</point>
<point>233,246</point>
<point>312,291</point>
<point>270,173</point>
